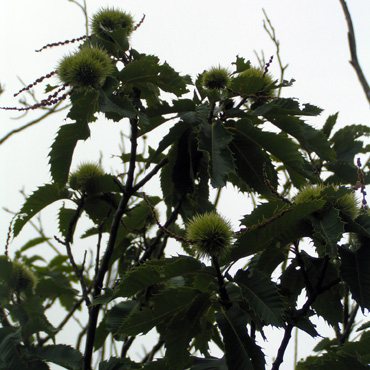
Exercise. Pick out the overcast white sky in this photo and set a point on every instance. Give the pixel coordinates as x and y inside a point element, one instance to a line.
<point>191,35</point>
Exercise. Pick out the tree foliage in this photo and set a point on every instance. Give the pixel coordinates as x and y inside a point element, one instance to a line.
<point>308,233</point>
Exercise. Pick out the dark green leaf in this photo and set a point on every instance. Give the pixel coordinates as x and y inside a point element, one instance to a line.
<point>346,144</point>
<point>241,350</point>
<point>250,162</point>
<point>116,108</point>
<point>310,139</point>
<point>329,228</point>
<point>329,124</point>
<point>147,71</point>
<point>155,271</point>
<point>119,364</point>
<point>281,229</point>
<point>84,106</point>
<point>65,218</point>
<point>10,356</point>
<point>165,305</point>
<point>62,150</point>
<point>41,198</point>
<point>241,64</point>
<point>60,354</point>
<point>330,361</point>
<point>214,139</point>
<point>186,322</point>
<point>174,134</point>
<point>209,363</point>
<point>262,296</point>
<point>356,273</point>
<point>278,145</point>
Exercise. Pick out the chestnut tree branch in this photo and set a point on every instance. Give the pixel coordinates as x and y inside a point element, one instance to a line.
<point>353,50</point>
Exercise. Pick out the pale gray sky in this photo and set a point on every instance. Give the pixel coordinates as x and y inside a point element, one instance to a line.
<point>191,35</point>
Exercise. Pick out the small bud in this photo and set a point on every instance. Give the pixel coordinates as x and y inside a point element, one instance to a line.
<point>211,233</point>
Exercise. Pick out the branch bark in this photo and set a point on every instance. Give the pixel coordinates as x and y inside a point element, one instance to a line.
<point>353,50</point>
<point>98,283</point>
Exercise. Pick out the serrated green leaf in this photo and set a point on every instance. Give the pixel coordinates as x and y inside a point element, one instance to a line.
<point>41,198</point>
<point>10,356</point>
<point>214,139</point>
<point>346,144</point>
<point>329,124</point>
<point>262,296</point>
<point>154,272</point>
<point>174,134</point>
<point>209,363</point>
<point>60,354</point>
<point>310,139</point>
<point>284,227</point>
<point>84,106</point>
<point>329,228</point>
<point>119,364</point>
<point>287,106</point>
<point>278,145</point>
<point>116,108</point>
<point>62,150</point>
<point>147,71</point>
<point>186,322</point>
<point>165,305</point>
<point>250,162</point>
<point>159,364</point>
<point>241,64</point>
<point>355,272</point>
<point>330,361</point>
<point>65,217</point>
<point>241,351</point>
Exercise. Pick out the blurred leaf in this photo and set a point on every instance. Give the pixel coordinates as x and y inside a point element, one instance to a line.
<point>33,243</point>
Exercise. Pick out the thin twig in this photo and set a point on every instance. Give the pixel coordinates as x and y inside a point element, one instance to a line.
<point>33,122</point>
<point>353,50</point>
<point>272,34</point>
